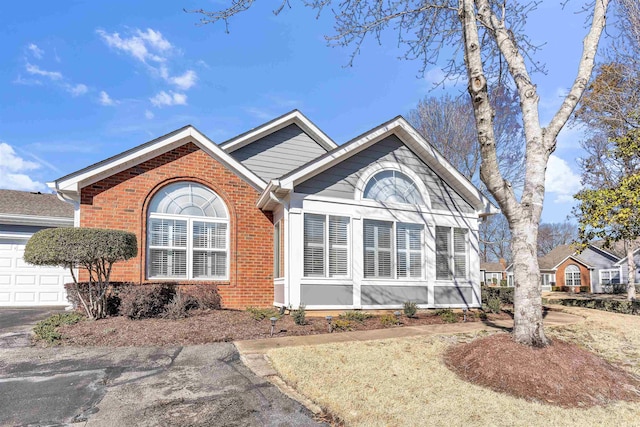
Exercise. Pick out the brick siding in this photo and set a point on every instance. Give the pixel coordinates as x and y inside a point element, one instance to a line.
<point>120,202</point>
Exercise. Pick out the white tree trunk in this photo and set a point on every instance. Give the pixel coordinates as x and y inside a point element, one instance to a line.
<point>631,279</point>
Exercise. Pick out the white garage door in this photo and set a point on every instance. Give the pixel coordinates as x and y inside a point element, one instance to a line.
<point>23,284</point>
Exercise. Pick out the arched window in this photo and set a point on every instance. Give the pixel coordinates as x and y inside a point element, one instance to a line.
<point>392,186</point>
<point>187,234</point>
<point>572,275</point>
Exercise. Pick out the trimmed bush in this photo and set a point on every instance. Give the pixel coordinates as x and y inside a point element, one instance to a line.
<point>300,315</point>
<point>505,295</point>
<point>447,315</point>
<point>341,325</point>
<point>410,309</point>
<point>146,301</point>
<point>355,316</point>
<point>206,295</point>
<point>47,329</point>
<point>614,306</point>
<point>263,313</point>
<point>493,305</point>
<point>179,306</point>
<point>93,249</point>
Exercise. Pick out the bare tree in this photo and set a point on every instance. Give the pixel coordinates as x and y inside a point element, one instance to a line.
<point>555,234</point>
<point>495,239</point>
<point>489,45</point>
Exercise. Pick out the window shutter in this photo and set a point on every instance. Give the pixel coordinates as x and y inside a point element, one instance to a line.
<point>460,252</point>
<point>443,271</point>
<point>314,240</point>
<point>378,249</point>
<point>409,250</point>
<point>338,246</point>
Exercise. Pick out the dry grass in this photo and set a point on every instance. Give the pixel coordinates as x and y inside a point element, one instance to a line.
<point>404,381</point>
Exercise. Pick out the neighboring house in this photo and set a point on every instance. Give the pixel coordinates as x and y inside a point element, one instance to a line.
<point>594,268</point>
<point>493,273</point>
<point>21,215</point>
<point>281,215</point>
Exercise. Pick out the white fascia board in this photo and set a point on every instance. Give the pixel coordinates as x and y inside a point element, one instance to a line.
<point>55,221</point>
<point>573,258</point>
<point>623,260</point>
<point>294,117</point>
<point>72,184</point>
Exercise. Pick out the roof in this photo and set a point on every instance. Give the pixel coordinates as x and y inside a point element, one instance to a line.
<point>69,185</point>
<point>14,202</point>
<point>557,255</point>
<point>492,266</point>
<point>400,127</point>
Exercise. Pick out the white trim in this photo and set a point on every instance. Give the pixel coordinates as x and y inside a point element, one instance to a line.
<point>610,270</point>
<point>573,258</point>
<point>293,117</point>
<point>623,260</point>
<point>71,185</point>
<point>36,220</point>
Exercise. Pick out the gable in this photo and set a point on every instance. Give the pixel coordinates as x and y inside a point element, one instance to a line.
<point>279,153</point>
<point>341,180</point>
<point>597,258</point>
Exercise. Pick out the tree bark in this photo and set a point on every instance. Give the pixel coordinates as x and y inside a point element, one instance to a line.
<point>631,279</point>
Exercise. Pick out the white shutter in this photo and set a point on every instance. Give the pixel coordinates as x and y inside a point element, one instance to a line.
<point>443,243</point>
<point>276,250</point>
<point>314,241</point>
<point>460,252</point>
<point>338,246</point>
<point>409,250</point>
<point>378,249</point>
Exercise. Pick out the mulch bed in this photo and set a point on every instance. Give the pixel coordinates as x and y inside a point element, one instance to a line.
<point>203,327</point>
<point>560,374</point>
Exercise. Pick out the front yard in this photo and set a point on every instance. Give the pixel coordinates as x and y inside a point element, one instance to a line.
<point>405,381</point>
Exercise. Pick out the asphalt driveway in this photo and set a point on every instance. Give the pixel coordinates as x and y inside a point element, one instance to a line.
<point>172,386</point>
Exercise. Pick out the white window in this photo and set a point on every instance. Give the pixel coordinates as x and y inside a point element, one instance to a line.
<point>392,186</point>
<point>326,245</point>
<point>546,279</point>
<point>610,277</point>
<point>276,250</point>
<point>187,234</point>
<point>383,246</point>
<point>451,253</point>
<point>493,278</point>
<point>572,275</point>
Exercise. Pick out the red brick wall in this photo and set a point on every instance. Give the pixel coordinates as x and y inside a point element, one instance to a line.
<point>584,273</point>
<point>120,202</point>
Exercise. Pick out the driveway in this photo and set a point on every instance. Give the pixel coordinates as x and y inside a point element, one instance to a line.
<point>183,386</point>
<point>16,324</point>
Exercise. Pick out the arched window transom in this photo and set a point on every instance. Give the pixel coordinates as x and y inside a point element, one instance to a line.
<point>392,186</point>
<point>572,275</point>
<point>187,234</point>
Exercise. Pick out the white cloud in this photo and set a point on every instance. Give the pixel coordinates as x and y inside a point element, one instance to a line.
<point>168,99</point>
<point>149,114</point>
<point>185,81</point>
<point>37,71</point>
<point>561,180</point>
<point>27,82</point>
<point>143,46</point>
<point>13,171</point>
<point>77,90</point>
<point>105,99</point>
<point>259,113</point>
<point>35,50</point>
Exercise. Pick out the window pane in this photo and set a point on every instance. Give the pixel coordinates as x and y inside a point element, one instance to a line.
<point>409,250</point>
<point>168,263</point>
<point>314,228</point>
<point>209,264</point>
<point>378,249</point>
<point>443,271</point>
<point>338,246</point>
<point>392,186</point>
<point>460,252</point>
<point>209,235</point>
<point>168,232</point>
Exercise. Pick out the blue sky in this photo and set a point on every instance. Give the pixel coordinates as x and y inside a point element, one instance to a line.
<point>82,81</point>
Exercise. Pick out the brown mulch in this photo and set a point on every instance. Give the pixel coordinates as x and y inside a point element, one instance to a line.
<point>203,327</point>
<point>560,374</point>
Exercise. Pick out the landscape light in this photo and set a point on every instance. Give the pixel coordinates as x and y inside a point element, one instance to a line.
<point>273,324</point>
<point>329,319</point>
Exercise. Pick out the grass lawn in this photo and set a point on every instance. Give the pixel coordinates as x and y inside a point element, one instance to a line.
<point>405,382</point>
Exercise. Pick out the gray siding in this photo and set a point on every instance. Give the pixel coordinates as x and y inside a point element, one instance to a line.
<point>394,295</point>
<point>278,293</point>
<point>279,153</point>
<point>598,260</point>
<point>326,294</point>
<point>625,269</point>
<point>341,180</point>
<point>452,295</point>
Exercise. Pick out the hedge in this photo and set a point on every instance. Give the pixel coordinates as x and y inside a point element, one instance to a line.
<point>504,294</point>
<point>604,304</point>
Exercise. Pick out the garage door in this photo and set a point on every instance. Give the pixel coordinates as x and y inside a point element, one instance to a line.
<point>22,284</point>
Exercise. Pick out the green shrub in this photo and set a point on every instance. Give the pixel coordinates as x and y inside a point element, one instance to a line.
<point>614,306</point>
<point>504,294</point>
<point>388,320</point>
<point>342,325</point>
<point>447,315</point>
<point>557,289</point>
<point>262,313</point>
<point>410,309</point>
<point>92,249</point>
<point>503,283</point>
<point>585,289</point>
<point>300,315</point>
<point>494,305</point>
<point>146,301</point>
<point>46,330</point>
<point>355,316</point>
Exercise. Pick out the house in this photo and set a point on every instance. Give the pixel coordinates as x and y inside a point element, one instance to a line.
<point>493,273</point>
<point>594,269</point>
<point>21,215</point>
<point>281,215</point>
